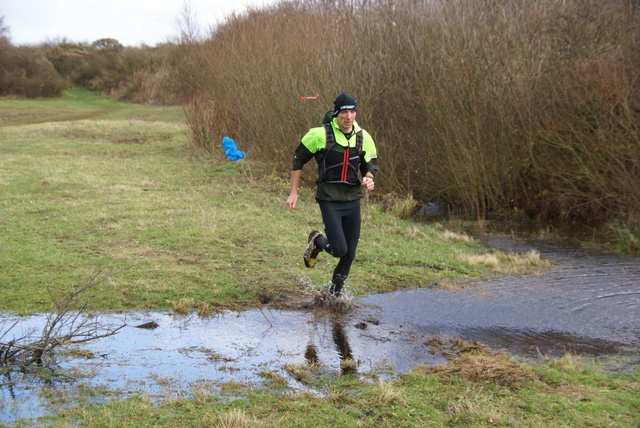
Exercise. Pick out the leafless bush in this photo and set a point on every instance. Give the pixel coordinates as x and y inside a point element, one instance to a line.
<point>198,115</point>
<point>153,76</point>
<point>149,75</point>
<point>26,72</point>
<point>69,324</point>
<point>493,107</point>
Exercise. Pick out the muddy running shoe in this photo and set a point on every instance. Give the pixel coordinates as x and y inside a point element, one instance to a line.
<point>312,250</point>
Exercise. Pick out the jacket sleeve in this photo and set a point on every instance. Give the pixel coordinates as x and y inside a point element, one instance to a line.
<point>302,155</point>
<point>369,156</point>
<point>371,166</point>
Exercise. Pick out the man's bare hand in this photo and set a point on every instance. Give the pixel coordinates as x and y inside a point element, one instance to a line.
<point>368,183</point>
<point>291,202</point>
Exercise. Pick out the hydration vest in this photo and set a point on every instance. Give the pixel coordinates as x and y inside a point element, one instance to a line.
<point>340,166</point>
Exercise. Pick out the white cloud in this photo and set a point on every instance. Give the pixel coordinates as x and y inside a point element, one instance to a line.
<point>131,22</point>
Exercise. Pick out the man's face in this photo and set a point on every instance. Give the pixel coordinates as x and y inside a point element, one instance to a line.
<point>345,120</point>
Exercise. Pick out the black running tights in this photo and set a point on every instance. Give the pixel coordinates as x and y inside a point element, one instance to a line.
<point>342,228</point>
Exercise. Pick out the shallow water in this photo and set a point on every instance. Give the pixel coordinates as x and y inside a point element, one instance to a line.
<point>589,303</point>
<point>184,350</point>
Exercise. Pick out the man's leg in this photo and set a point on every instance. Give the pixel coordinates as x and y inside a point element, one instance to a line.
<point>333,241</point>
<point>342,226</point>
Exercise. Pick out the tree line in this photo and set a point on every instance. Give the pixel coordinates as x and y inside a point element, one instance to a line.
<point>137,74</point>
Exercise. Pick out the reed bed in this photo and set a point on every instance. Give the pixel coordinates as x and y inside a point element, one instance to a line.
<point>517,108</point>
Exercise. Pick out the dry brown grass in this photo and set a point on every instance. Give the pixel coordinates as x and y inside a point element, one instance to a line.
<point>509,262</point>
<point>400,206</point>
<point>387,394</point>
<point>233,418</point>
<point>456,236</point>
<point>184,305</point>
<point>476,363</point>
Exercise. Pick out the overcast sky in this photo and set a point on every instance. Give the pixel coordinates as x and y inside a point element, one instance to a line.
<point>131,22</point>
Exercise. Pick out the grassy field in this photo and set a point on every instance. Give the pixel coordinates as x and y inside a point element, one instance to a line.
<point>92,187</point>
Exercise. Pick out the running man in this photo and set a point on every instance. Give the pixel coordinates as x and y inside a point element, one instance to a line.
<point>347,161</point>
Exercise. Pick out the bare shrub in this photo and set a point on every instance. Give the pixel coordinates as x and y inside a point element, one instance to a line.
<point>153,76</point>
<point>585,131</point>
<point>251,74</point>
<point>97,66</point>
<point>511,107</point>
<point>199,117</point>
<point>26,72</point>
<point>69,324</point>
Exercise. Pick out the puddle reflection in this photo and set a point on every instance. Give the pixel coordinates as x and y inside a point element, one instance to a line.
<point>348,365</point>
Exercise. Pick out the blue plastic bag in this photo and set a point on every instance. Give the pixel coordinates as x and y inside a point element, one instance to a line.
<point>231,150</point>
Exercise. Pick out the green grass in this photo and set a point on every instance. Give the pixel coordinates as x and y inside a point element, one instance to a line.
<point>93,185</point>
<point>77,104</point>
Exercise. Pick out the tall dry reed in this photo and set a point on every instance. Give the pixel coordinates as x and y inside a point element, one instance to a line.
<point>494,107</point>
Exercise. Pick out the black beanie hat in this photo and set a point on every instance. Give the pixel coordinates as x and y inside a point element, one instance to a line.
<point>343,102</point>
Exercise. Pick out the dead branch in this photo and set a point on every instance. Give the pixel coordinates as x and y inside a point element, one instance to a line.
<point>69,324</point>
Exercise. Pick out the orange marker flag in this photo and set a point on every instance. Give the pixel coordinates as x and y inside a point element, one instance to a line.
<point>310,98</point>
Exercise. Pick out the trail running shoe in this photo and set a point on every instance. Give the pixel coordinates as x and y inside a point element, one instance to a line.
<point>312,250</point>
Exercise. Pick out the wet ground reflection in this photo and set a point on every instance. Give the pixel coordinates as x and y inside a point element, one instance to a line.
<point>236,347</point>
<point>589,303</point>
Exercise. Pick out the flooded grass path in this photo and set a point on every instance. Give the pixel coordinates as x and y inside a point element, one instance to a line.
<point>588,303</point>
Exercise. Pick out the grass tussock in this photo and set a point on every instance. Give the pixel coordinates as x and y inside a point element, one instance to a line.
<point>531,258</point>
<point>234,418</point>
<point>488,368</point>
<point>456,236</point>
<point>304,373</point>
<point>401,207</point>
<point>206,309</point>
<point>626,237</point>
<point>203,391</point>
<point>509,262</point>
<point>569,363</point>
<point>387,394</point>
<point>477,363</point>
<point>184,305</point>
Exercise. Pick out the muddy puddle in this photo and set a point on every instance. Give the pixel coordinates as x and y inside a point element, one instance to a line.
<point>588,303</point>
